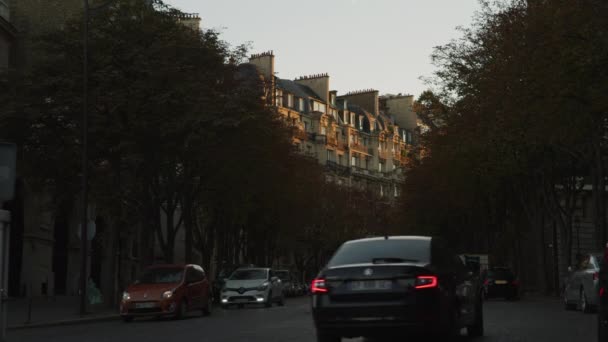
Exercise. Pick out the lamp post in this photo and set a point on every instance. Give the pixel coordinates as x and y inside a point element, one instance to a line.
<point>85,159</point>
<point>84,238</point>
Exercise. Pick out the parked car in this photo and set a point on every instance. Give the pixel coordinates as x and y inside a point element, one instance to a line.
<point>251,286</point>
<point>167,290</point>
<point>602,312</point>
<point>582,286</point>
<point>288,284</point>
<point>224,272</point>
<point>500,282</point>
<point>396,285</point>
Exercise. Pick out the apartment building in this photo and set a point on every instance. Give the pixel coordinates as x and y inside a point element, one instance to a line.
<point>362,138</point>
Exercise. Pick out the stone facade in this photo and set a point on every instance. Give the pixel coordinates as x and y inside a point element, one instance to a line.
<point>355,135</point>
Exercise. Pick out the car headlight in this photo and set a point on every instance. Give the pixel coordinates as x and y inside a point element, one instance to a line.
<point>263,287</point>
<point>167,294</point>
<point>126,296</point>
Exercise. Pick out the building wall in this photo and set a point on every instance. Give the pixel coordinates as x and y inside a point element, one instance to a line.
<point>366,99</point>
<point>402,108</point>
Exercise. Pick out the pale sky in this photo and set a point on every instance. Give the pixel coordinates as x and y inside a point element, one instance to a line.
<point>380,44</point>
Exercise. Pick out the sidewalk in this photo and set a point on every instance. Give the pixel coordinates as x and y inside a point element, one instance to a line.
<point>52,311</point>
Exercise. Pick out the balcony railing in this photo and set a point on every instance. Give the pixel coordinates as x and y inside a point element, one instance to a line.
<point>332,165</point>
<point>359,148</point>
<point>383,154</point>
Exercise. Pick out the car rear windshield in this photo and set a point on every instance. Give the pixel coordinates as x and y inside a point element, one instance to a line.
<point>249,275</point>
<point>162,276</point>
<point>391,250</point>
<point>500,273</point>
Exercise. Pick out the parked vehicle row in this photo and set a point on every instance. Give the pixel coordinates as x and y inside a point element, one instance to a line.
<point>500,282</point>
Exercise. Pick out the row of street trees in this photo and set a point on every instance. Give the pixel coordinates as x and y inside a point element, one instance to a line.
<point>517,126</point>
<point>180,141</point>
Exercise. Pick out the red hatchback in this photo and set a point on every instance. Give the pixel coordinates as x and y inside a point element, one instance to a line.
<point>167,290</point>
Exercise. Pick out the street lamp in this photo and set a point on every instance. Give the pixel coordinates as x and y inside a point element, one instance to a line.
<point>88,10</point>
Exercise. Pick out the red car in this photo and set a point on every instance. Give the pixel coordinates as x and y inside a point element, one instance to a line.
<point>167,290</point>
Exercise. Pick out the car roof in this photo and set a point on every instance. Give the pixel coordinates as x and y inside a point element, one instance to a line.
<point>398,237</point>
<point>253,268</point>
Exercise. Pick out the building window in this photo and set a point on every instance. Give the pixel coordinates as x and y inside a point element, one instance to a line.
<point>318,107</point>
<point>361,122</point>
<point>394,167</point>
<point>366,164</point>
<point>380,167</point>
<point>353,161</point>
<point>381,190</point>
<point>352,139</point>
<point>279,96</point>
<point>339,159</point>
<point>301,104</point>
<point>352,119</point>
<point>396,192</point>
<point>289,100</point>
<point>323,130</point>
<point>345,117</point>
<point>305,126</point>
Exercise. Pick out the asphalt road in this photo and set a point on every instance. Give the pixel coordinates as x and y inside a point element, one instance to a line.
<point>527,320</point>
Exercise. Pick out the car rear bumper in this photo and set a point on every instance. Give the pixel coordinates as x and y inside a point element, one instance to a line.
<point>369,319</point>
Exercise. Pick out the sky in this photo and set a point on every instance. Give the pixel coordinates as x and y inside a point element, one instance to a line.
<point>381,44</point>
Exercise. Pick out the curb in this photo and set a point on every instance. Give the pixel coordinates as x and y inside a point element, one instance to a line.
<point>84,320</point>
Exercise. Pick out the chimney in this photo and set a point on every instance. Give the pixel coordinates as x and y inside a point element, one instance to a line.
<point>319,83</point>
<point>265,63</point>
<point>190,20</point>
<point>368,99</point>
<point>401,107</point>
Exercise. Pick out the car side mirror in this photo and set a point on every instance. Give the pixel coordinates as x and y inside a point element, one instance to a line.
<point>273,279</point>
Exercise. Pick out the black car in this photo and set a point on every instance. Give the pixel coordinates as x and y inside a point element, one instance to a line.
<point>500,282</point>
<point>602,312</point>
<point>397,285</point>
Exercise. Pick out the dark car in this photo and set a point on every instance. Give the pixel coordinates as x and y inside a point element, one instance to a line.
<point>398,285</point>
<point>167,290</point>
<point>500,282</point>
<point>602,312</point>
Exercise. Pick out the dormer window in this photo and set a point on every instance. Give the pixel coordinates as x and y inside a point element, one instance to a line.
<point>352,119</point>
<point>301,104</point>
<point>345,118</point>
<point>290,100</point>
<point>360,122</point>
<point>279,97</point>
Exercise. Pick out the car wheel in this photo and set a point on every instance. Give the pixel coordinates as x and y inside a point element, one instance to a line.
<point>127,319</point>
<point>584,304</point>
<point>268,300</point>
<point>476,330</point>
<point>567,305</point>
<point>449,328</point>
<point>182,310</point>
<point>602,328</point>
<point>323,336</point>
<point>209,307</point>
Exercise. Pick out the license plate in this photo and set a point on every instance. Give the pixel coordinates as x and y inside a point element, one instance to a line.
<point>371,285</point>
<point>241,300</point>
<point>500,282</point>
<point>145,305</point>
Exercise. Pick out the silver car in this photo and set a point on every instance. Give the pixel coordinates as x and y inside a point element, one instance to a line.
<point>581,291</point>
<point>252,286</point>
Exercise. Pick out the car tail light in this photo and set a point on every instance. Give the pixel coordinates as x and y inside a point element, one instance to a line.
<point>318,286</point>
<point>596,276</point>
<point>602,292</point>
<point>426,282</point>
<point>486,282</point>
